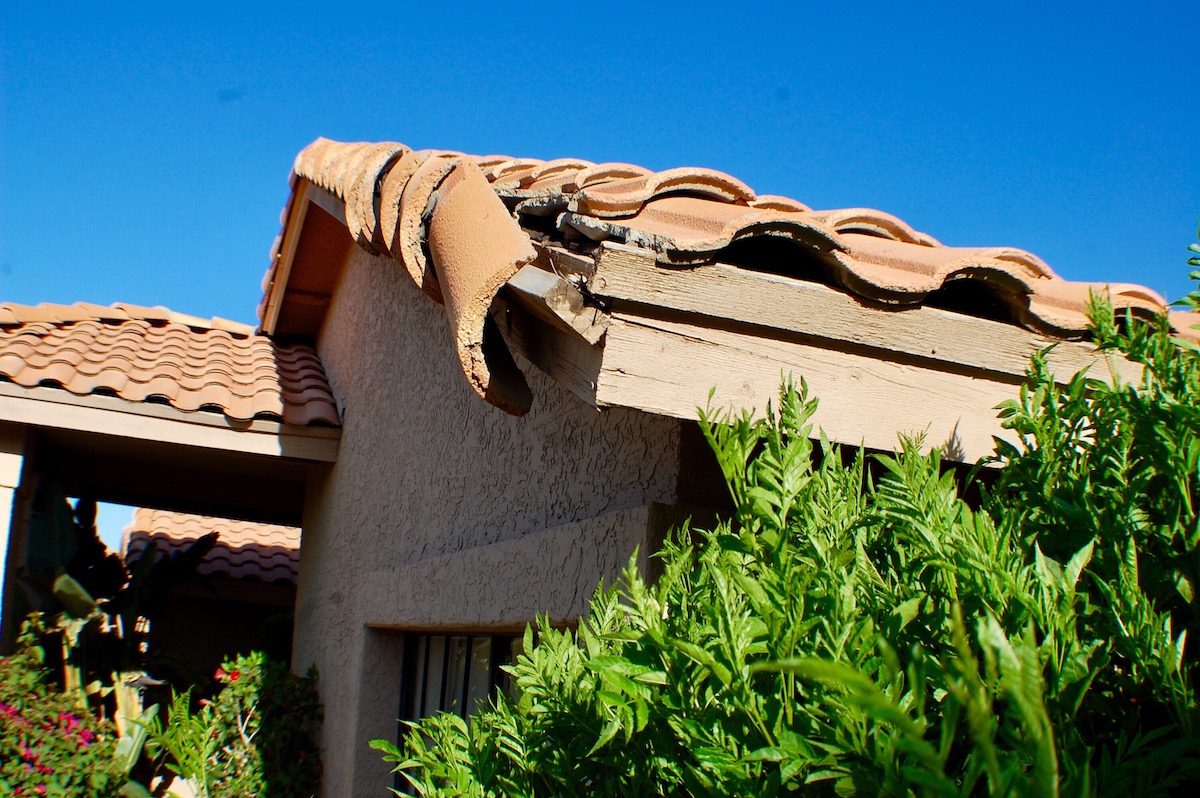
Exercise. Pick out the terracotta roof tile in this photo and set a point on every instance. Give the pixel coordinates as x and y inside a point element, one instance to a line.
<point>189,363</point>
<point>855,220</point>
<point>685,216</point>
<point>244,549</point>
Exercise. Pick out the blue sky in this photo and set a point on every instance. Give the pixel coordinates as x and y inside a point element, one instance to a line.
<point>144,152</point>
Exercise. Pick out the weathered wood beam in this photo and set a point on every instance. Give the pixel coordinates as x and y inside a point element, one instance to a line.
<point>668,367</point>
<point>557,302</point>
<point>780,303</point>
<point>292,227</point>
<point>564,262</point>
<point>326,202</point>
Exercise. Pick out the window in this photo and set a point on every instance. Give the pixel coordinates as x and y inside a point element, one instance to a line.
<point>452,673</point>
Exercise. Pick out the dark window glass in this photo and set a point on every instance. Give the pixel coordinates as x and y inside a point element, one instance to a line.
<point>450,673</point>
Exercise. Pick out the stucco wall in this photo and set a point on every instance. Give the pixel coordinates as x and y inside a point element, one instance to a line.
<point>428,481</point>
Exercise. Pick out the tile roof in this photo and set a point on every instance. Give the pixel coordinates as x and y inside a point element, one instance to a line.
<point>157,356</point>
<point>418,205</point>
<point>244,549</point>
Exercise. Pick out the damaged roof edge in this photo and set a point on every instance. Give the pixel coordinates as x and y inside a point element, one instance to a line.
<point>475,217</point>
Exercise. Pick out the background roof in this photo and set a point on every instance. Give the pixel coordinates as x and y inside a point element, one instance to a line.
<point>244,550</point>
<point>144,153</point>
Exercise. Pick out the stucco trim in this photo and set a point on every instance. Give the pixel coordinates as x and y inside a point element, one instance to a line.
<point>503,586</point>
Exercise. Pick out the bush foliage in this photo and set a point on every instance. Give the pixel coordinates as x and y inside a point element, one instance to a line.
<point>49,744</point>
<point>850,634</point>
<point>254,739</point>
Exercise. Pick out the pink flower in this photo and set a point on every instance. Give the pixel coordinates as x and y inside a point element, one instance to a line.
<point>69,719</point>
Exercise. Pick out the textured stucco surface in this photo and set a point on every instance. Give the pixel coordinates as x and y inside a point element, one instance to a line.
<point>431,480</point>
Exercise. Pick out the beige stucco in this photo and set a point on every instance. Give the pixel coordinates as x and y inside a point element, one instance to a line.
<point>443,511</point>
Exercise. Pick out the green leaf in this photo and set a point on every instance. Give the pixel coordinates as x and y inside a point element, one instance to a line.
<point>129,747</point>
<point>132,789</point>
<point>1077,563</point>
<point>609,731</point>
<point>1185,587</point>
<point>907,611</point>
<point>74,598</point>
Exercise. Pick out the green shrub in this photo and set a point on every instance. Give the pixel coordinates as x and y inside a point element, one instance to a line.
<point>848,635</point>
<point>49,744</point>
<point>254,739</point>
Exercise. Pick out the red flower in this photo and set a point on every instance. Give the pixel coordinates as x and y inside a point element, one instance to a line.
<point>234,675</point>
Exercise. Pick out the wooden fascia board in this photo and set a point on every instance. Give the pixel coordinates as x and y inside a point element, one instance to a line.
<point>669,367</point>
<point>107,415</point>
<point>795,306</point>
<point>305,193</point>
<point>557,302</point>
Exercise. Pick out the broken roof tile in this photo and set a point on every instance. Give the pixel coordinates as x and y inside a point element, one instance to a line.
<point>190,364</point>
<point>692,229</point>
<point>362,215</point>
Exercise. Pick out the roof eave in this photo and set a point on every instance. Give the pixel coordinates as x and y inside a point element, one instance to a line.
<point>307,259</point>
<point>107,415</point>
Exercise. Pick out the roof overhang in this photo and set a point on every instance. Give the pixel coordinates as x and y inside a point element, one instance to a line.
<point>672,341</point>
<point>53,408</point>
<point>622,292</point>
<point>722,337</point>
<point>154,456</point>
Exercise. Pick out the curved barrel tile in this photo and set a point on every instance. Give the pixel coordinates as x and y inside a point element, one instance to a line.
<point>627,196</point>
<point>190,366</point>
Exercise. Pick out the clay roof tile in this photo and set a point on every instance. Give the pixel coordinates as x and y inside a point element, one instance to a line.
<point>153,355</point>
<point>627,196</point>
